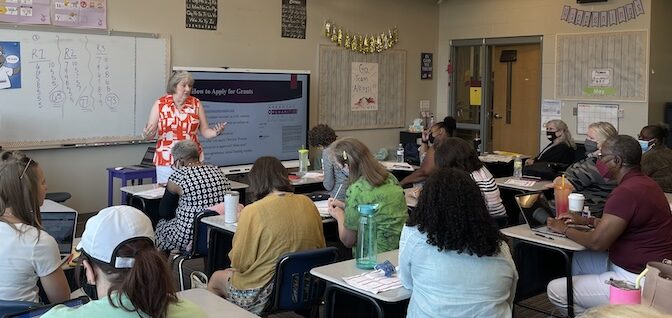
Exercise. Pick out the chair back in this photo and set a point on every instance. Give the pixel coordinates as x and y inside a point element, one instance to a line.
<point>12,306</point>
<point>295,288</point>
<point>199,245</point>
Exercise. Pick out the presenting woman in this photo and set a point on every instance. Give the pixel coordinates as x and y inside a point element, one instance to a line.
<point>193,187</point>
<point>369,183</point>
<point>177,116</point>
<point>28,252</point>
<point>452,256</point>
<point>279,222</point>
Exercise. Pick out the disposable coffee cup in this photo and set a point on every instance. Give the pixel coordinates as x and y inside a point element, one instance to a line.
<point>231,206</point>
<point>576,202</point>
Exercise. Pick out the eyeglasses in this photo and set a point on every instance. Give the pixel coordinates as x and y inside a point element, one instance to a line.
<point>601,155</point>
<point>26,168</point>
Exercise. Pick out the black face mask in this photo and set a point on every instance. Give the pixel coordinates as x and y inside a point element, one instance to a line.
<point>431,138</point>
<point>591,146</point>
<point>88,289</point>
<point>551,135</point>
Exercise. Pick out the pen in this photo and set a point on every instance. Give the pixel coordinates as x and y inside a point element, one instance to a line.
<point>338,191</point>
<point>544,236</point>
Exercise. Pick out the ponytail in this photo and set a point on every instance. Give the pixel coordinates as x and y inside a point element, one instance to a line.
<point>148,284</point>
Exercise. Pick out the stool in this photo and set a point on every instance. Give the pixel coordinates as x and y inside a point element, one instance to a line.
<point>126,174</point>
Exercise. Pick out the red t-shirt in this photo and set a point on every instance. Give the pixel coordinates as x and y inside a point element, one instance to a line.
<point>648,235</point>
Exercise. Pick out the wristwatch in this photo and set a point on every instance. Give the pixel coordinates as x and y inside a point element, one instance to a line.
<point>591,221</point>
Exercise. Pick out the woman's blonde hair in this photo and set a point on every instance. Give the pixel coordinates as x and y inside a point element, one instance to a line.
<point>360,161</point>
<point>19,189</point>
<point>604,130</point>
<point>176,78</point>
<point>566,135</point>
<point>623,311</point>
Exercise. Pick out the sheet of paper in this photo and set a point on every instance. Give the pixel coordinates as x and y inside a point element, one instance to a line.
<point>521,183</point>
<point>392,165</point>
<point>373,282</point>
<point>323,208</point>
<point>550,109</point>
<point>313,175</point>
<point>152,193</point>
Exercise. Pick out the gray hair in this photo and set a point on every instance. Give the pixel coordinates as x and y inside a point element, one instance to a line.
<point>185,150</point>
<point>626,147</point>
<point>176,78</point>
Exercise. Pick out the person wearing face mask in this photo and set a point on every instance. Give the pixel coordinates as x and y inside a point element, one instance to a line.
<point>438,132</point>
<point>123,272</point>
<point>369,183</point>
<point>635,228</point>
<point>657,157</point>
<point>561,149</point>
<point>583,175</point>
<point>174,117</point>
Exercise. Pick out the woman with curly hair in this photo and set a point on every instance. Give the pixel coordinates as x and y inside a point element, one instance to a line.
<point>451,254</point>
<point>335,178</point>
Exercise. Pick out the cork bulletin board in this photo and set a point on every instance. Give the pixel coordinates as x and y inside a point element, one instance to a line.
<point>335,89</point>
<point>602,66</point>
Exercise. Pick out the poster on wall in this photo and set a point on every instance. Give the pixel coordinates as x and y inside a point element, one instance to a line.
<point>88,14</point>
<point>25,12</point>
<point>10,65</point>
<point>201,14</point>
<point>294,19</point>
<point>426,68</point>
<point>364,86</point>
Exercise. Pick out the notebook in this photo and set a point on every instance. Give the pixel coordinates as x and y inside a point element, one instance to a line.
<point>536,209</point>
<point>41,310</point>
<point>61,226</point>
<point>147,160</point>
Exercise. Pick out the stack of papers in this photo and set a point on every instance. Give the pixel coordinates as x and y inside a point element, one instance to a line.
<point>323,208</point>
<point>155,193</point>
<point>521,182</point>
<point>495,158</point>
<point>373,282</point>
<point>391,165</point>
<point>313,175</point>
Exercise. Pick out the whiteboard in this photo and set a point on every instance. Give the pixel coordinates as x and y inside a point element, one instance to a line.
<point>80,88</point>
<point>587,114</point>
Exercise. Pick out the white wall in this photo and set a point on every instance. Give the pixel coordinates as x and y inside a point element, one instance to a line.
<point>467,19</point>
<point>248,36</point>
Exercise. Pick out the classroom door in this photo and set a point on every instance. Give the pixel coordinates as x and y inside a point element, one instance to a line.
<point>516,89</point>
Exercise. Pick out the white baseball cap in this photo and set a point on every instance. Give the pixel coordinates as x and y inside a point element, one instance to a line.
<point>111,228</point>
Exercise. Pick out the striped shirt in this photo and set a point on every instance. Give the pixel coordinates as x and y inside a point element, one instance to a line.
<point>490,190</point>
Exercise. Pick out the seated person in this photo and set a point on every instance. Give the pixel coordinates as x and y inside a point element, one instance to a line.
<point>452,256</point>
<point>192,188</point>
<point>322,136</point>
<point>436,134</point>
<point>657,157</point>
<point>124,274</point>
<point>583,175</point>
<point>28,252</point>
<point>635,228</point>
<point>279,222</point>
<point>457,153</point>
<point>560,152</point>
<point>370,183</point>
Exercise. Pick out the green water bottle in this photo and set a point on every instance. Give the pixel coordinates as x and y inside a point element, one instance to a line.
<point>367,249</point>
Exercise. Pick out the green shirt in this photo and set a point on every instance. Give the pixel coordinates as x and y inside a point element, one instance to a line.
<point>102,308</point>
<point>392,211</point>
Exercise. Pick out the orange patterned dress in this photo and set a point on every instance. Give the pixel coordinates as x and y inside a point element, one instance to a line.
<point>176,125</point>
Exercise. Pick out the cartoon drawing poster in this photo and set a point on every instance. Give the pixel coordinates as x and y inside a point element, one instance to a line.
<point>10,65</point>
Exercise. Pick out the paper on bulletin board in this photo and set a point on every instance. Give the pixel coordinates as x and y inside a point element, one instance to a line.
<point>475,96</point>
<point>364,86</point>
<point>550,109</point>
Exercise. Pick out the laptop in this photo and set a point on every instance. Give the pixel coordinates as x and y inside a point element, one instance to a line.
<point>61,226</point>
<point>41,310</point>
<point>147,160</point>
<point>536,209</point>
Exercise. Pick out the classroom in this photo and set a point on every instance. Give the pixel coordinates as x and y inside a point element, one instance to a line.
<point>446,52</point>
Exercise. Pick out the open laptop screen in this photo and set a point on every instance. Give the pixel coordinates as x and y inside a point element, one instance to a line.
<point>61,226</point>
<point>535,208</point>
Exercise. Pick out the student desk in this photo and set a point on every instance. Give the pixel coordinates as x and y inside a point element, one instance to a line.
<point>126,174</point>
<point>562,245</point>
<point>508,191</point>
<point>213,305</point>
<point>539,185</point>
<point>333,274</point>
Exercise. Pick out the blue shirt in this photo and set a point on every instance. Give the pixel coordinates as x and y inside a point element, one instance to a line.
<point>448,284</point>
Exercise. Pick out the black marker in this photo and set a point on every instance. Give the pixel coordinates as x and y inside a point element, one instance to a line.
<point>544,236</point>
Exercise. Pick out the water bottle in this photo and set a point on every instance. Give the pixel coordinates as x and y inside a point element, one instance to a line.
<point>367,250</point>
<point>303,161</point>
<point>400,153</point>
<point>518,167</point>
